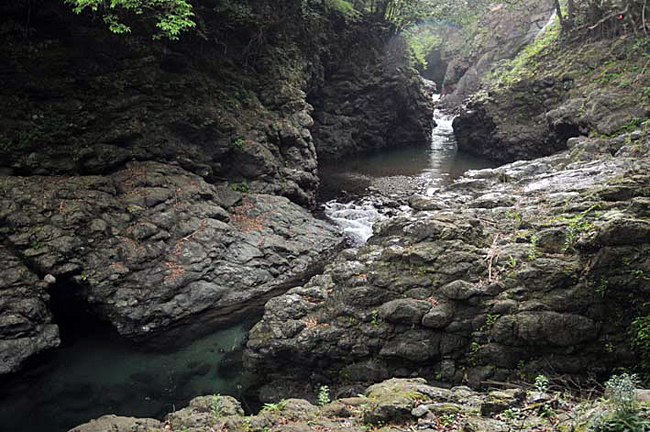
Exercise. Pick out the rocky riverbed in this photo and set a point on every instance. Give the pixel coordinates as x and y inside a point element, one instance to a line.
<point>533,266</point>
<point>391,406</point>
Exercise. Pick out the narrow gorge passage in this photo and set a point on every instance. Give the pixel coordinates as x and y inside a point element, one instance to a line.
<point>367,188</point>
<point>96,371</point>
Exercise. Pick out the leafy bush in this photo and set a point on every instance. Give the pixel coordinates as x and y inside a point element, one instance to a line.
<point>625,414</point>
<point>172,16</point>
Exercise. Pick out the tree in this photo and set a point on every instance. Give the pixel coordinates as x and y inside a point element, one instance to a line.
<point>603,15</point>
<point>172,17</point>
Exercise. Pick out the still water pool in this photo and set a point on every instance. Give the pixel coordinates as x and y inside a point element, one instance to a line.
<point>348,185</point>
<point>96,372</point>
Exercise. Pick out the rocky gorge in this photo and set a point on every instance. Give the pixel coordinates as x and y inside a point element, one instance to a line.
<point>181,203</point>
<point>219,144</point>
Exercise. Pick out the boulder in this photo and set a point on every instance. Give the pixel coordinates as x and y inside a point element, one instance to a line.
<point>26,324</point>
<point>153,244</point>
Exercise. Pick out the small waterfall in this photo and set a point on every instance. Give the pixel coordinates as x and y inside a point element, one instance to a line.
<point>394,175</point>
<point>443,133</point>
<point>355,219</point>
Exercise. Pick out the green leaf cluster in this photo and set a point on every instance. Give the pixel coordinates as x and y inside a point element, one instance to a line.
<point>172,17</point>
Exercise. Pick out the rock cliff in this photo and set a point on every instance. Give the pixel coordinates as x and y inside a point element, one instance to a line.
<point>556,90</point>
<point>158,181</point>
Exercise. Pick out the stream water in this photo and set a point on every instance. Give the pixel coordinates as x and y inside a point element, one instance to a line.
<point>96,372</point>
<point>350,187</point>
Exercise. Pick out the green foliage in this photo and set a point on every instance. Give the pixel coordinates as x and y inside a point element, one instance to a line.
<point>422,40</point>
<point>621,391</point>
<point>534,241</point>
<point>216,406</point>
<point>374,317</point>
<point>274,407</point>
<point>172,17</point>
<point>525,65</point>
<point>447,420</point>
<point>576,225</point>
<point>324,395</point>
<point>625,414</point>
<point>345,8</point>
<point>602,287</point>
<point>541,383</point>
<point>241,187</point>
<point>513,414</point>
<point>640,337</point>
<point>491,319</point>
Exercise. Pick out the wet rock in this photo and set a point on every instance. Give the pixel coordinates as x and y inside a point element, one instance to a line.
<point>470,293</point>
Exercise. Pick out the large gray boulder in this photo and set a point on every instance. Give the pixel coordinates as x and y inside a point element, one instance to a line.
<point>151,246</point>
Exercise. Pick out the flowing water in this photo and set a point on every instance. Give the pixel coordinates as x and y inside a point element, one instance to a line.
<point>349,186</point>
<point>96,372</point>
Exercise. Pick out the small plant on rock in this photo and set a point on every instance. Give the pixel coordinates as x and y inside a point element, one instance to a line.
<point>216,406</point>
<point>324,395</point>
<point>534,241</point>
<point>375,317</point>
<point>625,414</point>
<point>447,420</point>
<point>541,383</point>
<point>273,407</point>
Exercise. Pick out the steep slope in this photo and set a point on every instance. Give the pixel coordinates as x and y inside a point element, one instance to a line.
<point>556,90</point>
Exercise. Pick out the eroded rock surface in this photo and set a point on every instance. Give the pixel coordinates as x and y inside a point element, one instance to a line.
<point>522,114</point>
<point>391,406</point>
<point>25,322</point>
<point>531,266</point>
<point>151,245</point>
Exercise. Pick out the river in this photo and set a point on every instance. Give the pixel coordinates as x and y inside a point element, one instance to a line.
<point>361,190</point>
<point>96,372</point>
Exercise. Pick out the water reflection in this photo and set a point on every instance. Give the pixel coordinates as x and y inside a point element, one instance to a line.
<point>439,164</point>
<point>97,372</point>
<point>403,170</point>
